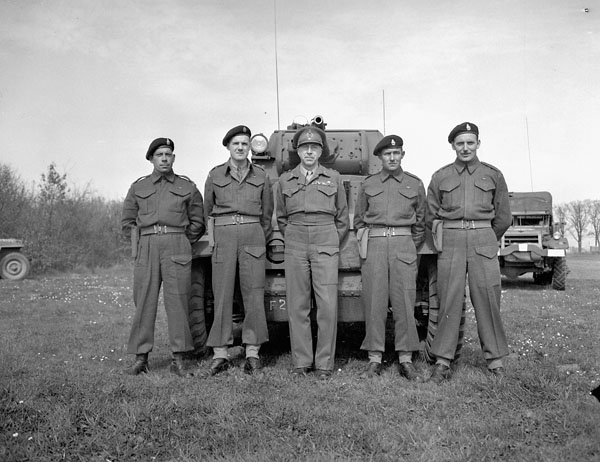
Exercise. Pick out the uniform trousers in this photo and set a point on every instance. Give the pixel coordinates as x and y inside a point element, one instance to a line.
<point>240,245</point>
<point>312,256</point>
<point>162,259</point>
<point>389,274</point>
<point>472,253</point>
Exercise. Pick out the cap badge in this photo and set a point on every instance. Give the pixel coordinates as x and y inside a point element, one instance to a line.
<point>309,135</point>
<point>243,129</point>
<point>468,127</point>
<point>168,141</point>
<point>393,142</point>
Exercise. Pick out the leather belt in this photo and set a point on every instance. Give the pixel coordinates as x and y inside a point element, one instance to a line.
<point>237,219</point>
<point>467,224</point>
<point>387,231</point>
<point>161,229</point>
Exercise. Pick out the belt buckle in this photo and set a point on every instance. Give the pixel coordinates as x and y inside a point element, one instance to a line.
<point>237,219</point>
<point>468,224</point>
<point>158,229</point>
<point>390,231</point>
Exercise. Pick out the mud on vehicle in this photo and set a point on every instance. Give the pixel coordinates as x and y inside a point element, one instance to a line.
<point>351,154</point>
<point>534,243</point>
<point>13,264</point>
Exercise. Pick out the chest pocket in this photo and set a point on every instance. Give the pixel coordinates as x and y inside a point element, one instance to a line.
<point>255,187</point>
<point>450,194</point>
<point>375,199</point>
<point>146,199</point>
<point>484,192</point>
<point>408,200</point>
<point>320,197</point>
<point>290,191</point>
<point>329,191</point>
<point>222,190</point>
<point>178,199</point>
<point>373,191</point>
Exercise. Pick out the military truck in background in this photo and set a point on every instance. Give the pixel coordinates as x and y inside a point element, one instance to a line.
<point>13,264</point>
<point>351,154</point>
<point>534,243</point>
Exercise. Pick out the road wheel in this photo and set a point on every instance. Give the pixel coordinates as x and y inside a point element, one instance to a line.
<point>14,266</point>
<point>434,309</point>
<point>199,319</point>
<point>559,279</point>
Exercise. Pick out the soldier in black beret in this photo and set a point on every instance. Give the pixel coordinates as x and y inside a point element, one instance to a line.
<point>165,212</point>
<point>237,130</point>
<point>390,217</point>
<point>469,200</point>
<point>465,127</point>
<point>239,202</point>
<point>158,143</point>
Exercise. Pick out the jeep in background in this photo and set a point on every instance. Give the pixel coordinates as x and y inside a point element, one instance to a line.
<point>534,243</point>
<point>13,264</point>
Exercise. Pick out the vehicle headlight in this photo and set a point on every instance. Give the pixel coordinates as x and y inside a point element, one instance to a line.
<point>557,235</point>
<point>259,143</point>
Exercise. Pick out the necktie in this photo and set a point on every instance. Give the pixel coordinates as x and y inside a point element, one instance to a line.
<point>309,175</point>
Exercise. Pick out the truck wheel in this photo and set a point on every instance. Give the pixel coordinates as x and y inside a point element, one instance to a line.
<point>14,266</point>
<point>434,309</point>
<point>559,279</point>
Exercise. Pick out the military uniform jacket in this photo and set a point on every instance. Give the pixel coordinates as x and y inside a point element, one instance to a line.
<point>172,201</point>
<point>325,194</point>
<point>224,195</point>
<point>472,191</point>
<point>392,200</point>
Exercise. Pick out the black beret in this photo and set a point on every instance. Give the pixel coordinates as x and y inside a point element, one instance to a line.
<point>465,127</point>
<point>389,141</point>
<point>239,130</point>
<point>157,143</point>
<point>311,134</point>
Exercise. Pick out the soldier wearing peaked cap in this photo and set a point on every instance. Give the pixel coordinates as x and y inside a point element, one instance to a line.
<point>470,198</point>
<point>239,202</point>
<point>390,213</point>
<point>166,210</point>
<point>312,214</point>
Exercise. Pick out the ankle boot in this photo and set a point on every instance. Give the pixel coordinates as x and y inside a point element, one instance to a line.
<point>177,366</point>
<point>140,366</point>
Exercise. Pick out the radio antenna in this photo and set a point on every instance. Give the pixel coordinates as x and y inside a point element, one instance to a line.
<point>276,66</point>
<point>529,153</point>
<point>383,107</point>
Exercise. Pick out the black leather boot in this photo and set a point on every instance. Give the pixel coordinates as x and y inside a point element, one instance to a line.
<point>177,366</point>
<point>140,366</point>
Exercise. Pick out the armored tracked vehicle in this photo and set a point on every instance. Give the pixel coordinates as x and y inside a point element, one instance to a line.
<point>351,155</point>
<point>534,243</point>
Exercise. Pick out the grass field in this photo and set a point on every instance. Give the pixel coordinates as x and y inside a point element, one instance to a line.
<point>63,396</point>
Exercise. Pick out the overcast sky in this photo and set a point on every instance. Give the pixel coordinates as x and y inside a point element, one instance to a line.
<point>89,84</point>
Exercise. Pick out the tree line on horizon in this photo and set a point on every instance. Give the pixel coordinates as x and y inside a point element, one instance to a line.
<point>581,219</point>
<point>66,228</point>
